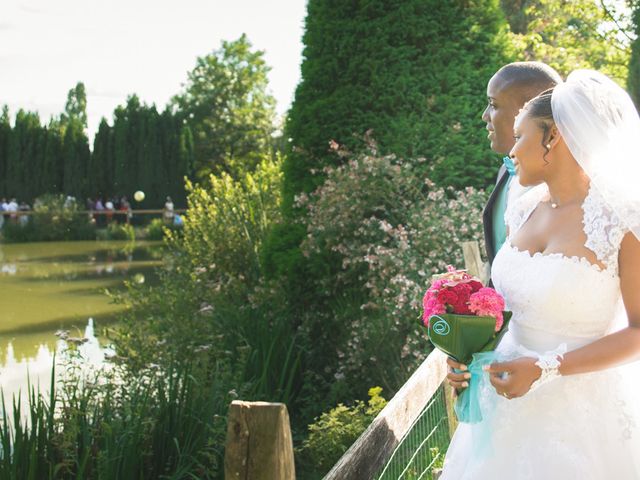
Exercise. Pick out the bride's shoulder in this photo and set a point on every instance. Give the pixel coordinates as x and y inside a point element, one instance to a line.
<point>603,228</point>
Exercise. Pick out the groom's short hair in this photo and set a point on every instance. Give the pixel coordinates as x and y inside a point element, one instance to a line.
<point>528,79</point>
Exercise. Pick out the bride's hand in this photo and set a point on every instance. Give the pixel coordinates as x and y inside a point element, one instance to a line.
<point>459,381</point>
<point>513,379</point>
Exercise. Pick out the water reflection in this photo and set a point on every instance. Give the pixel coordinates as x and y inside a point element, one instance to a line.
<point>8,269</point>
<point>19,370</point>
<point>46,287</point>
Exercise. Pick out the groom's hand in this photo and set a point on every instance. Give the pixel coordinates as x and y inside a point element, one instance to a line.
<point>459,381</point>
<point>513,379</point>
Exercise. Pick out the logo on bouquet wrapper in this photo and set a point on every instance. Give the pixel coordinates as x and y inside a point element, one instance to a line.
<point>441,327</point>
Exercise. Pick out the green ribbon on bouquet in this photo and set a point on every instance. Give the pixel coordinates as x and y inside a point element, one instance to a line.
<point>469,340</point>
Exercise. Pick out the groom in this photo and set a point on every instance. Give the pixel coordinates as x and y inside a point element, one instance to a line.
<point>508,90</point>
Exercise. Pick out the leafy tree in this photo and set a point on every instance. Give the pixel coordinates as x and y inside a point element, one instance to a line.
<point>226,104</point>
<point>76,106</point>
<point>571,34</point>
<point>633,80</point>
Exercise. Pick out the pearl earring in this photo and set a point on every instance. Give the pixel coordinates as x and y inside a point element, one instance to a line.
<point>548,146</point>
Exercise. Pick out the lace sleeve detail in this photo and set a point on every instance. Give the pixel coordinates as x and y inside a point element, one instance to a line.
<point>603,229</point>
<point>519,209</point>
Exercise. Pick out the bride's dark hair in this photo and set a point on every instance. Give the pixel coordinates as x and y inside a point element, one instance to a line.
<point>539,108</point>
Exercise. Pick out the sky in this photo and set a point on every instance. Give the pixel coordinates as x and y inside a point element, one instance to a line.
<point>147,47</point>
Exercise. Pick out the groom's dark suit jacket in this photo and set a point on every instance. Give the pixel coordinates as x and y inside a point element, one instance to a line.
<point>487,215</point>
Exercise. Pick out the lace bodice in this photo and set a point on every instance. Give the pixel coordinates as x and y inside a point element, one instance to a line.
<point>559,304</point>
<point>555,298</point>
<point>601,225</point>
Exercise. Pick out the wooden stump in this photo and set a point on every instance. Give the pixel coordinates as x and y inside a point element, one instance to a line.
<point>259,444</point>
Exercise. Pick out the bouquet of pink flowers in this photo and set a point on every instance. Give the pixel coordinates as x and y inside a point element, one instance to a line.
<point>465,320</point>
<point>463,316</point>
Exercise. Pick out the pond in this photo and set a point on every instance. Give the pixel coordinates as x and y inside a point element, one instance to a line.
<point>46,288</point>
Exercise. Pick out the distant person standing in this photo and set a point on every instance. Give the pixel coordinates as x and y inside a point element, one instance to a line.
<point>168,212</point>
<point>89,204</point>
<point>69,202</point>
<point>12,208</point>
<point>3,209</point>
<point>24,218</point>
<point>110,208</point>
<point>99,209</point>
<point>125,206</point>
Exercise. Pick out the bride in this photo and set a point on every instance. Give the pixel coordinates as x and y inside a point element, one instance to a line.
<point>563,400</point>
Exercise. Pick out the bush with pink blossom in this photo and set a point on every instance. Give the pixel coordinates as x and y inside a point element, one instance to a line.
<point>387,229</point>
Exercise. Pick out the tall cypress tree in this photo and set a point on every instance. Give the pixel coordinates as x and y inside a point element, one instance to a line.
<point>152,172</point>
<point>413,71</point>
<point>101,165</point>
<point>76,159</point>
<point>120,131</point>
<point>184,165</point>
<point>22,152</point>
<point>54,159</point>
<point>5,133</point>
<point>37,179</point>
<point>32,157</point>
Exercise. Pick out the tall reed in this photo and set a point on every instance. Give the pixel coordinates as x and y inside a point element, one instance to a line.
<point>163,424</point>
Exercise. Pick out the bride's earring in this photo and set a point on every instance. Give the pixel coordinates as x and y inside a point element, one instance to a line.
<point>548,146</point>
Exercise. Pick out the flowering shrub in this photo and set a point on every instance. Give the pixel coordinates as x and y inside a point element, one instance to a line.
<point>390,230</point>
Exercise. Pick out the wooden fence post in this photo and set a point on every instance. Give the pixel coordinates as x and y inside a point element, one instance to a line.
<point>473,262</point>
<point>450,401</point>
<point>259,444</point>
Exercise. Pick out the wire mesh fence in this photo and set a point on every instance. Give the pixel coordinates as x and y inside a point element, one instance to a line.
<point>422,450</point>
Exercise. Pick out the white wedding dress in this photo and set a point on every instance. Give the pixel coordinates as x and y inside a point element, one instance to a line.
<point>575,427</point>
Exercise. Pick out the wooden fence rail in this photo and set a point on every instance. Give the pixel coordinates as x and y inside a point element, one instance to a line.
<point>369,454</point>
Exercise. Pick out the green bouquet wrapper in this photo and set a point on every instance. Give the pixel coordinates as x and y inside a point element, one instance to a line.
<point>460,336</point>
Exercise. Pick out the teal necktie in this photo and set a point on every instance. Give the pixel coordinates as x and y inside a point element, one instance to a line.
<point>511,168</point>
